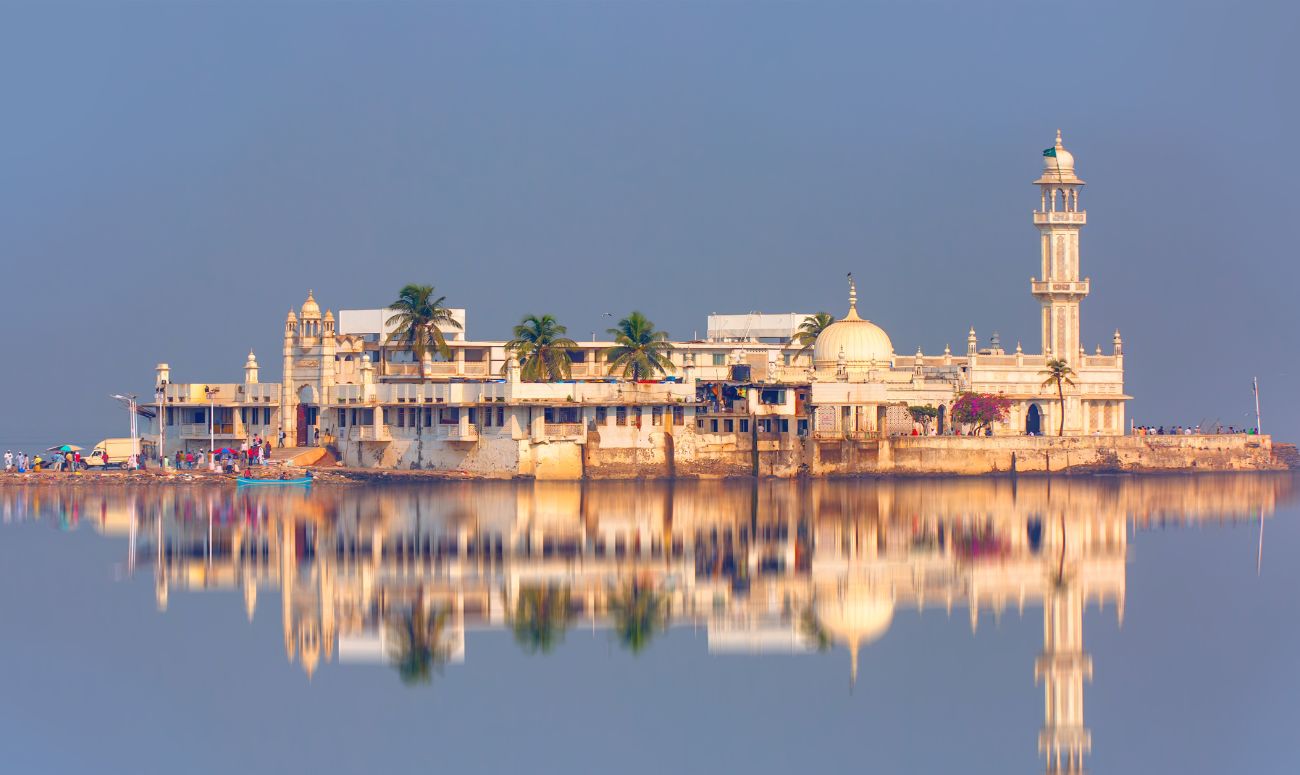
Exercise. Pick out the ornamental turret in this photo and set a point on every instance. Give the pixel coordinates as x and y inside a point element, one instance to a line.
<point>1059,220</point>
<point>250,369</point>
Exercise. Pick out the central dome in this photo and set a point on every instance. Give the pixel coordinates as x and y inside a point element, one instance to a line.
<point>862,342</point>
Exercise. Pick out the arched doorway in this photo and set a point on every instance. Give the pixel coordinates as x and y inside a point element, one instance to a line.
<point>1034,421</point>
<point>307,415</point>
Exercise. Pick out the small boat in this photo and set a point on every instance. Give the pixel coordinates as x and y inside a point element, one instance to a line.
<point>304,481</point>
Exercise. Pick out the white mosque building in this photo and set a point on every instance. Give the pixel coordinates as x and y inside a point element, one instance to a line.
<point>345,384</point>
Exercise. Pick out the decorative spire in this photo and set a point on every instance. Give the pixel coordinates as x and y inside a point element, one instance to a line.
<point>1018,350</point>
<point>853,300</point>
<point>1058,139</point>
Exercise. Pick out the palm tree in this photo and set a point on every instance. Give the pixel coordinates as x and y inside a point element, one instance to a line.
<point>418,319</point>
<point>541,617</point>
<point>812,326</point>
<point>1059,372</point>
<point>417,643</point>
<point>639,350</point>
<point>544,353</point>
<point>639,614</point>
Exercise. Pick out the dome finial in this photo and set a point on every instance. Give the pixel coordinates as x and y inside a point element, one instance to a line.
<point>1058,139</point>
<point>853,294</point>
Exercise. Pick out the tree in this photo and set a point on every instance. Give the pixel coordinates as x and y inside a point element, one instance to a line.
<point>418,320</point>
<point>541,617</point>
<point>543,352</point>
<point>980,409</point>
<point>417,643</point>
<point>639,350</point>
<point>1058,372</point>
<point>812,327</point>
<point>640,613</point>
<point>923,415</point>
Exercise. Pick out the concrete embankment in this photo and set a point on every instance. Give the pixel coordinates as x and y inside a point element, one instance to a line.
<point>793,457</point>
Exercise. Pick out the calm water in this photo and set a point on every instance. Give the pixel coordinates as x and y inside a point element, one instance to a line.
<point>781,627</point>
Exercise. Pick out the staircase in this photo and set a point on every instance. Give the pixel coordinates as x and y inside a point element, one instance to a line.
<point>319,457</point>
<point>1287,455</point>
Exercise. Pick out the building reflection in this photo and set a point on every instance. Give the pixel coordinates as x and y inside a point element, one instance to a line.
<point>402,574</point>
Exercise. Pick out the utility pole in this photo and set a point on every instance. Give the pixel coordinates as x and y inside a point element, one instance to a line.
<point>130,401</point>
<point>1258,430</point>
<point>212,438</point>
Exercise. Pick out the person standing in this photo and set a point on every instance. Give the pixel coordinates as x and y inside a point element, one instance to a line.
<point>9,460</point>
<point>280,438</point>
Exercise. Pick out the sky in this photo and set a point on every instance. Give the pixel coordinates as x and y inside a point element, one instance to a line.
<point>174,177</point>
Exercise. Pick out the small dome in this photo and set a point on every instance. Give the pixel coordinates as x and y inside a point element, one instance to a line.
<point>310,309</point>
<point>329,315</point>
<point>856,615</point>
<point>1058,168</point>
<point>291,317</point>
<point>862,342</point>
<point>252,359</point>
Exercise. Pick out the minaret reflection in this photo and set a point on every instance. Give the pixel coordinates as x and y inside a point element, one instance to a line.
<point>401,575</point>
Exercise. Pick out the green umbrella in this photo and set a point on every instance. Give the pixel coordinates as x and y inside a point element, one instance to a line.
<point>65,448</point>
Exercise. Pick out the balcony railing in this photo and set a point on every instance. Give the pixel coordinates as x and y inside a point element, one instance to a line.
<point>1059,286</point>
<point>1061,217</point>
<point>369,433</point>
<point>200,430</point>
<point>558,430</point>
<point>462,432</point>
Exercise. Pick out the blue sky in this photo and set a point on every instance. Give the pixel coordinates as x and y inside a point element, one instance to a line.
<point>175,176</point>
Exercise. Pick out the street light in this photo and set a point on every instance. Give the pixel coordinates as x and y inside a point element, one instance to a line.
<point>160,393</point>
<point>212,438</point>
<point>129,400</point>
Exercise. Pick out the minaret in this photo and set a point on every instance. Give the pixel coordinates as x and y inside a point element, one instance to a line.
<point>250,369</point>
<point>289,399</point>
<point>1059,220</point>
<point>327,364</point>
<point>1062,667</point>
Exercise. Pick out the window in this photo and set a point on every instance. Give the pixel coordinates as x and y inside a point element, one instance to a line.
<point>785,426</point>
<point>578,356</point>
<point>620,415</point>
<point>744,426</point>
<point>771,396</point>
<point>473,415</point>
<point>679,415</point>
<point>200,416</point>
<point>713,426</point>
<point>171,416</point>
<point>266,416</point>
<point>699,423</point>
<point>564,414</point>
<point>728,425</point>
<point>428,418</point>
<point>243,415</point>
<point>449,416</point>
<point>343,418</point>
<point>389,416</point>
<point>602,415</point>
<point>401,418</point>
<point>657,415</point>
<point>719,359</point>
<point>501,416</point>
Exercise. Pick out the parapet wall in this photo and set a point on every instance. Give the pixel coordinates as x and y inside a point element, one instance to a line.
<point>689,454</point>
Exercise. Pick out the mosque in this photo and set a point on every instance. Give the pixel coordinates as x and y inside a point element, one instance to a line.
<point>348,385</point>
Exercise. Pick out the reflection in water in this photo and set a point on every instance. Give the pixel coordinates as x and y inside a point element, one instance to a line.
<point>401,574</point>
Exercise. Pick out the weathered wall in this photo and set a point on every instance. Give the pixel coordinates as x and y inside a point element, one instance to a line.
<point>626,453</point>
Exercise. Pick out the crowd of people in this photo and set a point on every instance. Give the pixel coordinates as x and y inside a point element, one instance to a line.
<point>255,452</point>
<point>21,462</point>
<point>1188,430</point>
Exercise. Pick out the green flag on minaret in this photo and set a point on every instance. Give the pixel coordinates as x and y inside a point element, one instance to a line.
<point>1050,152</point>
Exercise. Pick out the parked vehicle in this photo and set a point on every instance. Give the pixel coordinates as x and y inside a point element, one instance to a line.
<point>117,453</point>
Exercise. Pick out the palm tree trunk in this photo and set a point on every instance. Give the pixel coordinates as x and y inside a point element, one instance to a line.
<point>1060,391</point>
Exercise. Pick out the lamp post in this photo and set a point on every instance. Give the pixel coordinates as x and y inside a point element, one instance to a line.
<point>130,400</point>
<point>212,437</point>
<point>160,393</point>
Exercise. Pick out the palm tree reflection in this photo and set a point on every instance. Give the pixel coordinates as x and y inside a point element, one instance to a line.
<point>640,612</point>
<point>541,617</point>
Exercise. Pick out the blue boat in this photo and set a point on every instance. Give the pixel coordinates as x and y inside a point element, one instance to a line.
<point>304,481</point>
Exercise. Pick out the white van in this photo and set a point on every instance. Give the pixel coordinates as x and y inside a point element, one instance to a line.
<point>109,453</point>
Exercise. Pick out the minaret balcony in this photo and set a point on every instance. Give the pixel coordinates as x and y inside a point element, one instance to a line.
<point>1078,218</point>
<point>1062,287</point>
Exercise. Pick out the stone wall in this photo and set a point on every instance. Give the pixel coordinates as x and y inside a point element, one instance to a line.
<point>684,452</point>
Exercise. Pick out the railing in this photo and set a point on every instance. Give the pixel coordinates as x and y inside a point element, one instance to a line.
<point>200,430</point>
<point>462,432</point>
<point>563,429</point>
<point>369,433</point>
<point>1061,217</point>
<point>1058,286</point>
